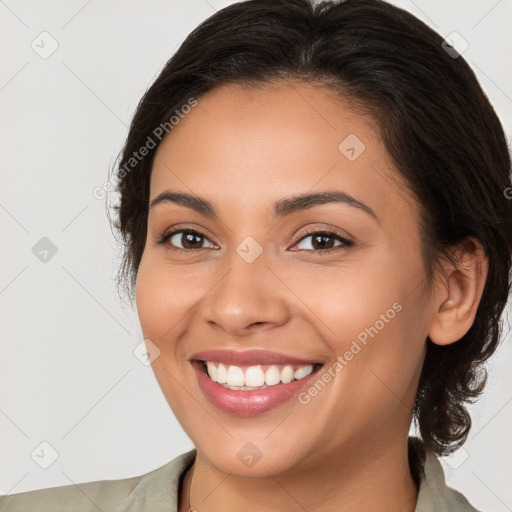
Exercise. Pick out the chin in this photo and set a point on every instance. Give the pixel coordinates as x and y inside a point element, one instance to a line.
<point>249,461</point>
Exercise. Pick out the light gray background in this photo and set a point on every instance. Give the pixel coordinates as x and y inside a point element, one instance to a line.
<point>68,373</point>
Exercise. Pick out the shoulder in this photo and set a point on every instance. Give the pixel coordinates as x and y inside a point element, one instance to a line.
<point>156,490</point>
<point>434,495</point>
<point>101,495</point>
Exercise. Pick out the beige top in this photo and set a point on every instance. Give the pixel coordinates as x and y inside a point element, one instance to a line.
<point>157,491</point>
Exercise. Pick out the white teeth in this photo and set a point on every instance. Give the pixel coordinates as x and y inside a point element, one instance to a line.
<point>222,374</point>
<point>234,377</point>
<point>287,374</point>
<point>254,376</point>
<point>303,371</point>
<point>272,376</point>
<point>245,388</point>
<point>212,371</point>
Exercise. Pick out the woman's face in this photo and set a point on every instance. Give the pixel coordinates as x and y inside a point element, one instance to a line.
<point>270,298</point>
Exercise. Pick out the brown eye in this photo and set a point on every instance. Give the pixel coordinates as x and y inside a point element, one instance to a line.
<point>189,240</point>
<point>185,239</point>
<point>323,241</point>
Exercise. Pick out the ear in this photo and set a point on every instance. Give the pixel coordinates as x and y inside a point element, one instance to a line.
<point>458,293</point>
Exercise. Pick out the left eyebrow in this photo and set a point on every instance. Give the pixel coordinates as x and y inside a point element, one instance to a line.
<point>282,207</point>
<point>304,201</point>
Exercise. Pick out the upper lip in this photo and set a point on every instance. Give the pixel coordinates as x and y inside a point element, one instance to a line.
<point>249,357</point>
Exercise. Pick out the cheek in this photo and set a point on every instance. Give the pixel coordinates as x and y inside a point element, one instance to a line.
<point>163,299</point>
<point>353,297</point>
<point>374,319</point>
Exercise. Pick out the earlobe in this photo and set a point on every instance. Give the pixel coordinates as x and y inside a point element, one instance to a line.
<point>459,292</point>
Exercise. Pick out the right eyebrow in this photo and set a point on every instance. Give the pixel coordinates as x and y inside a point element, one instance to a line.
<point>198,204</point>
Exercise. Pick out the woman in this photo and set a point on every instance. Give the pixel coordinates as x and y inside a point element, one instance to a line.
<point>318,240</point>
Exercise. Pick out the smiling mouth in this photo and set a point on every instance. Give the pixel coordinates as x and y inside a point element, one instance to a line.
<point>255,377</point>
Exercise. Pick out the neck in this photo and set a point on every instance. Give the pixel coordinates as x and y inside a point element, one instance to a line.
<point>375,477</point>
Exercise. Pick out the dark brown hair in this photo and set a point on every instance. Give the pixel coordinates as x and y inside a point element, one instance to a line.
<point>436,123</point>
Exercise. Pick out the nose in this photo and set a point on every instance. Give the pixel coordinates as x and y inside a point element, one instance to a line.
<point>248,298</point>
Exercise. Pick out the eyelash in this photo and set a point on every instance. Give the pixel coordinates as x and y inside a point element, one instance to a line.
<point>345,243</point>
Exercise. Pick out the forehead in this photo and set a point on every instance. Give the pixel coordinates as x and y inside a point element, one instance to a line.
<point>252,145</point>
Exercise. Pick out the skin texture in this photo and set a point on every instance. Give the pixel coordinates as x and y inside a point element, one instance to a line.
<point>243,149</point>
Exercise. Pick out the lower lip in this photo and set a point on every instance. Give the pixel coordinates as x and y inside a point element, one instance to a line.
<point>247,403</point>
